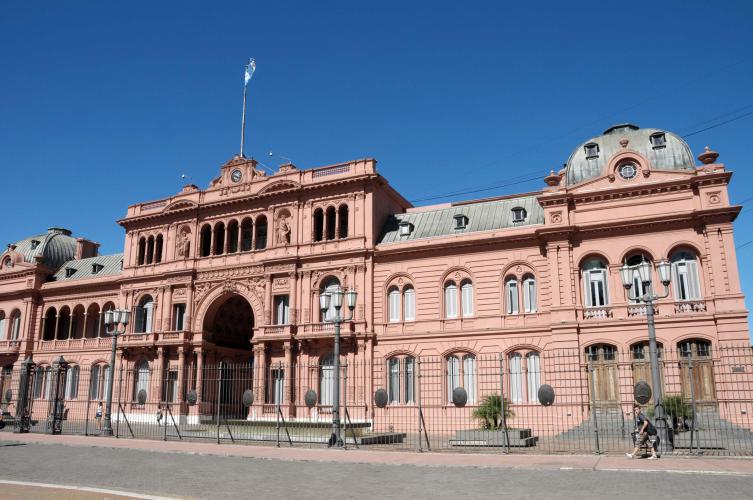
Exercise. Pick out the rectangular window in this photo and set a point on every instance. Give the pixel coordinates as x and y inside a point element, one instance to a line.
<point>534,377</point>
<point>409,384</point>
<point>596,294</point>
<point>512,297</point>
<point>451,301</point>
<point>94,382</point>
<point>409,304</point>
<point>179,317</point>
<point>453,376</point>
<point>516,379</point>
<point>467,299</point>
<point>529,295</point>
<point>278,374</point>
<point>282,310</point>
<point>394,305</point>
<point>170,388</point>
<point>394,386</point>
<point>469,377</point>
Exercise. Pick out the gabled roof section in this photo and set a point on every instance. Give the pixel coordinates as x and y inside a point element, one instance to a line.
<point>482,216</point>
<point>106,265</point>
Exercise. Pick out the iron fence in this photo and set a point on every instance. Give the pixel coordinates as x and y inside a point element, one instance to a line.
<point>409,402</point>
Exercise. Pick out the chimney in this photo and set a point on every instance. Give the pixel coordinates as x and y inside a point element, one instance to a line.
<point>86,249</point>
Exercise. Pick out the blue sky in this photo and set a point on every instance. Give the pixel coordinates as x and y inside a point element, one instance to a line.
<point>106,104</point>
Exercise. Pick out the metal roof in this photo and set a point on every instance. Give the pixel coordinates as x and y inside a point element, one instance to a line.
<point>55,246</point>
<point>84,268</point>
<point>675,155</point>
<point>482,216</point>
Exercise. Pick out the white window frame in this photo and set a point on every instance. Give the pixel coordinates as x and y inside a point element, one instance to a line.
<point>451,300</point>
<point>330,285</point>
<point>453,375</point>
<point>686,277</point>
<point>595,279</point>
<point>282,309</point>
<point>393,375</point>
<point>511,295</point>
<point>15,326</point>
<point>533,375</point>
<point>515,360</point>
<point>409,303</point>
<point>179,317</point>
<point>529,294</point>
<point>393,304</point>
<point>466,298</point>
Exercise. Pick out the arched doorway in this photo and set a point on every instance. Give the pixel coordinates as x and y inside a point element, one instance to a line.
<point>229,322</point>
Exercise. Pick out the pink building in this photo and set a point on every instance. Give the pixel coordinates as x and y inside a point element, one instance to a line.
<point>233,273</point>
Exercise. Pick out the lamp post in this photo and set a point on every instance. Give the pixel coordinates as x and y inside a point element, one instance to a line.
<point>627,274</point>
<point>335,298</point>
<point>113,318</point>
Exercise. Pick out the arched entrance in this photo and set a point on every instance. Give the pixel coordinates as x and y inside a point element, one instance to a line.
<point>229,322</point>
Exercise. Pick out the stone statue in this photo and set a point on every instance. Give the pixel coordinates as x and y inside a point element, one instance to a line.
<point>283,231</point>
<point>183,245</point>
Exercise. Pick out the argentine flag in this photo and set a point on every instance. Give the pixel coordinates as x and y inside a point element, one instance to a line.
<point>250,68</point>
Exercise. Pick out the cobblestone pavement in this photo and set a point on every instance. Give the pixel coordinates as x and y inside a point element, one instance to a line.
<point>215,476</point>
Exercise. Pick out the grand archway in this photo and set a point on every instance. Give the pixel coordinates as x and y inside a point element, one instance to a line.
<point>229,322</point>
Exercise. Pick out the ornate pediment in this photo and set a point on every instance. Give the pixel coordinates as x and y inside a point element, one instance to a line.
<point>282,185</point>
<point>179,205</point>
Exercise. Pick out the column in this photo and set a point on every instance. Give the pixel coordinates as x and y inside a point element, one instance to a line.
<point>70,324</point>
<point>181,372</point>
<point>293,298</point>
<point>268,301</point>
<point>288,399</point>
<point>167,311</point>
<point>99,324</point>
<point>86,317</point>
<point>240,236</point>
<point>57,325</point>
<point>199,375</point>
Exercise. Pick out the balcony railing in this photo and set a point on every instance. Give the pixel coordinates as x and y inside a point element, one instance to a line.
<point>690,306</point>
<point>596,313</point>
<point>10,345</point>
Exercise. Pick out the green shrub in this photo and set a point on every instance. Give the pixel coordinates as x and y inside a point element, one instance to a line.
<point>489,412</point>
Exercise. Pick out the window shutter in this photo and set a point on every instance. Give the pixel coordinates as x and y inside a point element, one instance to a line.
<point>676,280</point>
<point>467,299</point>
<point>516,379</point>
<point>451,301</point>
<point>694,280</point>
<point>469,377</point>
<point>394,305</point>
<point>534,376</point>
<point>409,304</point>
<point>149,313</point>
<point>587,288</point>
<point>532,295</point>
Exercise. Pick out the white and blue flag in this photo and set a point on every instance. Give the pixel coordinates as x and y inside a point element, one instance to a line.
<point>250,68</point>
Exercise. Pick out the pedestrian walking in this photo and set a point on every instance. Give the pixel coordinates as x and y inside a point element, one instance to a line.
<point>98,415</point>
<point>643,429</point>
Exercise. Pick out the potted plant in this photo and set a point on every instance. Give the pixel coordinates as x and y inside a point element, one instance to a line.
<point>489,412</point>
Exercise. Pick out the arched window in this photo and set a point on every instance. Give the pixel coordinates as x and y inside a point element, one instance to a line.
<point>206,240</point>
<point>140,379</point>
<point>516,377</point>
<point>330,286</point>
<point>511,295</point>
<point>461,374</point>
<point>71,382</point>
<point>331,223</point>
<point>15,325</point>
<point>158,249</point>
<point>394,304</point>
<point>318,224</point>
<point>150,250</point>
<point>40,376</point>
<point>247,231</point>
<point>63,323</point>
<point>342,215</point>
<point>142,251</point>
<point>401,383</point>
<point>466,298</point>
<point>261,232</point>
<point>409,303</point>
<point>94,375</point>
<point>327,380</point>
<point>529,294</point>
<point>232,236</point>
<point>685,276</point>
<point>533,380</point>
<point>595,283</point>
<point>144,313</point>
<point>451,300</point>
<point>219,238</point>
<point>638,288</point>
<point>3,325</point>
<point>48,324</point>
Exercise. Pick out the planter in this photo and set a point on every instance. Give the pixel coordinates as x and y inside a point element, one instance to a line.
<point>496,438</point>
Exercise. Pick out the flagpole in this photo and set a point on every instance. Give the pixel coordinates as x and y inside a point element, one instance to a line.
<point>243,119</point>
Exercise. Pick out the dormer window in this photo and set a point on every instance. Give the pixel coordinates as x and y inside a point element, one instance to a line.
<point>461,221</point>
<point>658,140</point>
<point>592,150</point>
<point>7,263</point>
<point>519,214</point>
<point>405,228</point>
<point>69,271</point>
<point>97,268</point>
<point>34,244</point>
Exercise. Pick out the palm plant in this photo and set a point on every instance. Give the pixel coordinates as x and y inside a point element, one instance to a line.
<point>489,412</point>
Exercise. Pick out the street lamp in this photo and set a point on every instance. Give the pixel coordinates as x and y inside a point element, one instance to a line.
<point>113,318</point>
<point>335,298</point>
<point>649,297</point>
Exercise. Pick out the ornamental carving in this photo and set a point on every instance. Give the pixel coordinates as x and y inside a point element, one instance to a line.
<point>714,197</point>
<point>183,243</point>
<point>555,217</point>
<point>227,273</point>
<point>283,231</point>
<point>280,283</point>
<point>179,292</point>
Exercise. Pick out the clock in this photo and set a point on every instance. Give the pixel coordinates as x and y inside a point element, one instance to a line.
<point>236,175</point>
<point>628,171</point>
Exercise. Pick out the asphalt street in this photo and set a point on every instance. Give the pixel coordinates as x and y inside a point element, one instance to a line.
<point>210,476</point>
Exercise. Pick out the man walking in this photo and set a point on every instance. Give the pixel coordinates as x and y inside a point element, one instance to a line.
<point>643,429</point>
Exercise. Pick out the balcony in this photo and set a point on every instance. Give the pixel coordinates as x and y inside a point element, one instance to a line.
<point>174,337</point>
<point>9,346</point>
<point>74,344</point>
<point>597,313</point>
<point>690,307</point>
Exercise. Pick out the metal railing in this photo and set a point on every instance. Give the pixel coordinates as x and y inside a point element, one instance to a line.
<point>407,402</point>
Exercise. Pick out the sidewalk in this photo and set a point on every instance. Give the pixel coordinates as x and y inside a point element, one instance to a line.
<point>700,465</point>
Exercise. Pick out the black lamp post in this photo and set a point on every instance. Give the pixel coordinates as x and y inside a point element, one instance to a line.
<point>335,297</point>
<point>113,319</point>
<point>57,412</point>
<point>627,274</point>
<point>25,395</point>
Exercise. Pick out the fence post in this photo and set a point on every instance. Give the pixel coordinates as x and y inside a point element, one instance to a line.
<point>418,402</point>
<point>345,406</point>
<point>592,405</point>
<point>502,401</point>
<point>88,408</point>
<point>692,402</point>
<point>219,398</point>
<point>120,396</point>
<point>278,381</point>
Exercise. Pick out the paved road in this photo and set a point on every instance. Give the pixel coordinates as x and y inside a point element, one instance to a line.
<point>206,476</point>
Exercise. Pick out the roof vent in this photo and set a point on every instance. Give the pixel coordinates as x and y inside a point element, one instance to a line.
<point>461,221</point>
<point>519,214</point>
<point>658,140</point>
<point>60,230</point>
<point>69,271</point>
<point>592,150</point>
<point>34,244</point>
<point>405,228</point>
<point>97,268</point>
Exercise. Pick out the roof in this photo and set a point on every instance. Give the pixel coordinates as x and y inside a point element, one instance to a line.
<point>482,216</point>
<point>674,155</point>
<point>55,246</point>
<point>84,268</point>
